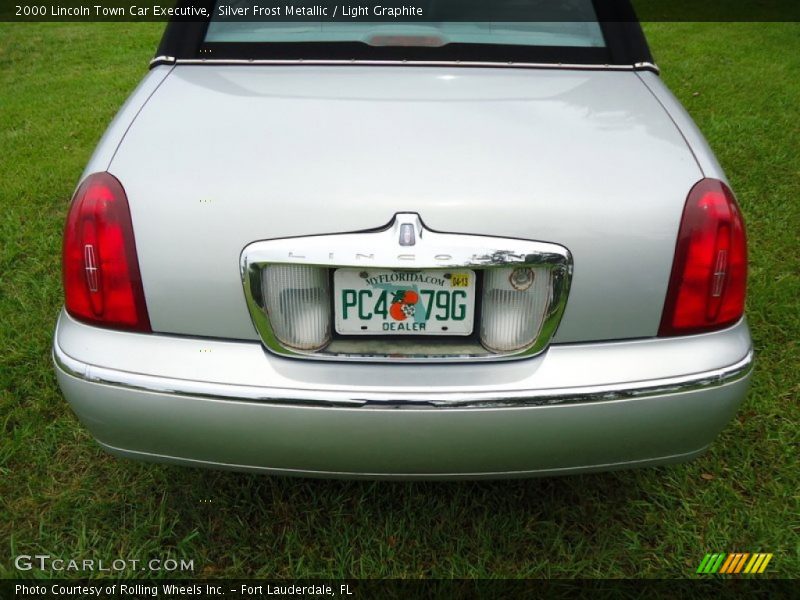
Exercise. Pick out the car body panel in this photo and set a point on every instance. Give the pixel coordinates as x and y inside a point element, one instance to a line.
<point>115,133</point>
<point>705,157</point>
<point>217,153</point>
<point>407,444</point>
<point>161,401</point>
<point>247,364</point>
<point>256,152</point>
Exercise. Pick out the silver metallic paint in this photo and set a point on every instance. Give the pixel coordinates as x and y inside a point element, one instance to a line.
<point>597,161</point>
<point>259,152</point>
<point>447,399</point>
<point>386,442</point>
<point>115,133</point>
<point>439,476</point>
<point>244,370</point>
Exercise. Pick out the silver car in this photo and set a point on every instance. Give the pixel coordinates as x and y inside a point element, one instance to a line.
<point>428,249</point>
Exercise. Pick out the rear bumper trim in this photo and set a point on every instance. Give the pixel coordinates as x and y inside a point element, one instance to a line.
<point>372,399</point>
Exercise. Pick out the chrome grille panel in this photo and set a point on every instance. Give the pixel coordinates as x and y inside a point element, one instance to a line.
<point>389,248</point>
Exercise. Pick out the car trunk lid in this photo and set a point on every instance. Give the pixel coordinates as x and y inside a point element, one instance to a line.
<point>222,156</point>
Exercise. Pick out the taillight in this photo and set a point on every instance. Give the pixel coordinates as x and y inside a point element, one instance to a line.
<point>102,284</point>
<point>709,273</point>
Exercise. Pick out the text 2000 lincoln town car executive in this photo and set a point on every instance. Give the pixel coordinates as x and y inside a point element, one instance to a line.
<point>423,250</point>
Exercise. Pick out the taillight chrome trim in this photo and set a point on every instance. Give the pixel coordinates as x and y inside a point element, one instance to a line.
<point>90,267</point>
<point>383,248</point>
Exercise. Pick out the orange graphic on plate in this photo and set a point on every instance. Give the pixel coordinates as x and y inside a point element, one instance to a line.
<point>403,304</point>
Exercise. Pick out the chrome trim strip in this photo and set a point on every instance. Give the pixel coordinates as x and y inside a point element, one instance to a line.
<point>424,400</point>
<point>647,66</point>
<point>162,60</point>
<point>381,249</point>
<point>403,63</point>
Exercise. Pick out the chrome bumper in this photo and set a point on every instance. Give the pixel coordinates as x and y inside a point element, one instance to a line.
<point>376,399</point>
<point>201,402</point>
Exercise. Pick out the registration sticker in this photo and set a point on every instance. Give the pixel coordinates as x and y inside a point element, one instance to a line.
<point>459,280</point>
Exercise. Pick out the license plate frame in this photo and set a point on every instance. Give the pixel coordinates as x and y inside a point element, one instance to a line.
<point>398,302</point>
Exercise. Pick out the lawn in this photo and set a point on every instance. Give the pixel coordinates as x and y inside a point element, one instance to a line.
<point>60,85</point>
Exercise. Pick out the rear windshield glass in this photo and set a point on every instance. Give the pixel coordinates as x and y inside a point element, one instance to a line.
<point>527,29</point>
<point>580,34</point>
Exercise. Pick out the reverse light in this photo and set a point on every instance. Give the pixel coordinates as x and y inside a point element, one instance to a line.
<point>514,304</point>
<point>297,299</point>
<point>102,284</point>
<point>708,284</point>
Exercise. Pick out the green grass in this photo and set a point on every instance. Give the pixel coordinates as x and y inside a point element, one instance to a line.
<point>60,494</point>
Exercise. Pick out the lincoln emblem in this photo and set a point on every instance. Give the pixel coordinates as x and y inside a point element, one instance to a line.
<point>407,237</point>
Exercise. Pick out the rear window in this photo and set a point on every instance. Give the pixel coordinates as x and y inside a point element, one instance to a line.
<point>570,34</point>
<point>527,31</point>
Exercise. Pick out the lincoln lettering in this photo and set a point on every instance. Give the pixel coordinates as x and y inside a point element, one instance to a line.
<point>366,256</point>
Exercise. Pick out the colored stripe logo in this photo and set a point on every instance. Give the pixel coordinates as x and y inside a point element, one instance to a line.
<point>734,563</point>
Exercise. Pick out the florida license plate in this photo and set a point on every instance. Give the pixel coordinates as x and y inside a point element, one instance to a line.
<point>393,302</point>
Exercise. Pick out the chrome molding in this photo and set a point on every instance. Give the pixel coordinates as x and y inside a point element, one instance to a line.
<point>647,66</point>
<point>162,60</point>
<point>382,248</point>
<point>644,66</point>
<point>403,400</point>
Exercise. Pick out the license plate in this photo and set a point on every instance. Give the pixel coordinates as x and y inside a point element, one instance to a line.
<point>391,302</point>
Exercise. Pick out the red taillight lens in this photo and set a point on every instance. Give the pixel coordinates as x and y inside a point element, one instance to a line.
<point>709,275</point>
<point>102,284</point>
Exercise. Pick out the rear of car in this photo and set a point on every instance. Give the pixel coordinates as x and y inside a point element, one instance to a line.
<point>447,249</point>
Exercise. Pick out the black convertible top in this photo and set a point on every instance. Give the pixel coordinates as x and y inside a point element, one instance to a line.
<point>184,39</point>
